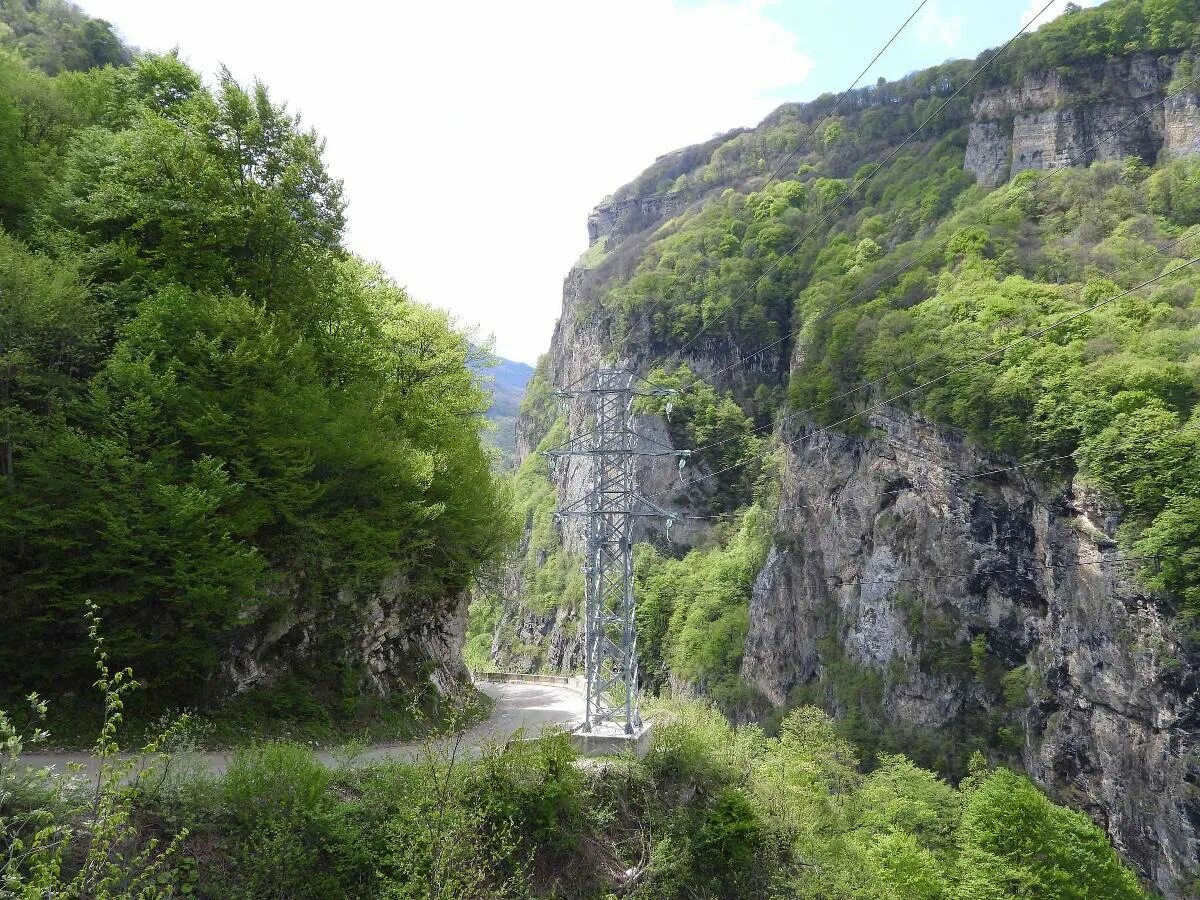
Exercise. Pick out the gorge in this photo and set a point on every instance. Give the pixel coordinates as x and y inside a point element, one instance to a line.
<point>913,572</point>
<point>288,595</point>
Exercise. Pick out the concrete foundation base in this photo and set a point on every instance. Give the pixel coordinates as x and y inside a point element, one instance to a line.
<point>610,739</point>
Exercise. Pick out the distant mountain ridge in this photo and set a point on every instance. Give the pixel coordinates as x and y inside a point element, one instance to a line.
<point>507,379</point>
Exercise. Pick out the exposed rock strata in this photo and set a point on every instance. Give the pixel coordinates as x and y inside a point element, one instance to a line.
<point>390,641</point>
<point>618,218</point>
<point>1109,111</point>
<point>873,535</point>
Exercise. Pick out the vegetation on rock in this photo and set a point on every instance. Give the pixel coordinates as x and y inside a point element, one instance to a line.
<point>216,421</point>
<point>879,279</point>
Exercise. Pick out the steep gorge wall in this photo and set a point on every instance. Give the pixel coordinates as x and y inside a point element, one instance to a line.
<point>869,539</point>
<point>862,571</point>
<point>1110,110</point>
<point>550,639</point>
<point>1059,660</point>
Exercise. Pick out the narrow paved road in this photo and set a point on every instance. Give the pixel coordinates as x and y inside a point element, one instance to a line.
<point>518,707</point>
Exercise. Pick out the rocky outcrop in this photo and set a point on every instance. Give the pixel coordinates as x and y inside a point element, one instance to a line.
<point>1108,111</point>
<point>616,219</point>
<point>987,603</point>
<point>391,642</point>
<point>544,642</point>
<point>989,153</point>
<point>1181,125</point>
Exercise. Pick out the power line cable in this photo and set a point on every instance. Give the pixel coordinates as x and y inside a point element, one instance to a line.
<point>942,246</point>
<point>791,155</point>
<point>828,115</point>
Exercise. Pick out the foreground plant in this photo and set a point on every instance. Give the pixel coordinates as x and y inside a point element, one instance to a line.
<point>60,839</point>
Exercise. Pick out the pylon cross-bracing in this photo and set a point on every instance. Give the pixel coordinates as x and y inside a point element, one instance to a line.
<point>610,508</point>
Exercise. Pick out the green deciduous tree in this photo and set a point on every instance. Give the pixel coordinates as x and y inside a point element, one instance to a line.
<point>214,417</point>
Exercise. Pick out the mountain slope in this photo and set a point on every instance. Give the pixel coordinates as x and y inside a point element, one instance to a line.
<point>55,36</point>
<point>507,380</point>
<point>868,567</point>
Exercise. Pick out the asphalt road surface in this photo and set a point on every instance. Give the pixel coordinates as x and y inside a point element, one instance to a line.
<point>525,708</point>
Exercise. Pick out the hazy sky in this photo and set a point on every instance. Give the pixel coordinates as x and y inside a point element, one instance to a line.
<point>475,135</point>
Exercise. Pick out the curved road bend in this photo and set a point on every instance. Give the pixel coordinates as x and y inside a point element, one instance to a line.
<point>518,707</point>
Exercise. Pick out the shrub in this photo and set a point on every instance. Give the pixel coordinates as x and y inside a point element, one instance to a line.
<point>535,786</point>
<point>729,841</point>
<point>62,841</point>
<point>279,779</point>
<point>1031,847</point>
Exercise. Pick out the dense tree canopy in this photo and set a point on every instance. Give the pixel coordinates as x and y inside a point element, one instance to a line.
<point>208,404</point>
<point>55,36</point>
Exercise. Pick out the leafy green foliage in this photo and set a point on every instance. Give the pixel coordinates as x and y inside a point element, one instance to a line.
<point>60,839</point>
<point>1116,28</point>
<point>897,275</point>
<point>795,813</point>
<point>436,827</point>
<point>693,613</point>
<point>214,418</point>
<point>55,36</point>
<point>700,417</point>
<point>549,574</point>
<point>278,779</point>
<point>1015,842</point>
<point>1173,192</point>
<point>712,810</point>
<point>1115,387</point>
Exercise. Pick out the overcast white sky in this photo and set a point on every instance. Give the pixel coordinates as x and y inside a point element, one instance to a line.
<point>474,136</point>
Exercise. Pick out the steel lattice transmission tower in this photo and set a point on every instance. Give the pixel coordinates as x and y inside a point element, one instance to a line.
<point>610,508</point>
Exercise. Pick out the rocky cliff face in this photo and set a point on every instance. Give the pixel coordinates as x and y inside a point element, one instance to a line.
<point>379,635</point>
<point>957,591</point>
<point>1053,119</point>
<point>983,611</point>
<point>617,218</point>
<point>551,640</point>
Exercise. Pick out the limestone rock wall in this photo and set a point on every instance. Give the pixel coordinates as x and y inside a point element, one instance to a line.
<point>1108,111</point>
<point>389,638</point>
<point>615,219</point>
<point>1181,125</point>
<point>875,544</point>
<point>989,153</point>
